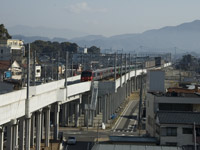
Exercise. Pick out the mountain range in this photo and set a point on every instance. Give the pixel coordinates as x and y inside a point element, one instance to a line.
<point>184,37</point>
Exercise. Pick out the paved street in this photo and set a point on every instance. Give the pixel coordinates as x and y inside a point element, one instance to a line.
<point>125,125</point>
<point>79,146</point>
<point>128,120</point>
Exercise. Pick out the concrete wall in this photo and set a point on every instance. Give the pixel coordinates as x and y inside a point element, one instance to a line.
<point>156,81</point>
<point>150,114</point>
<point>181,139</point>
<point>132,74</point>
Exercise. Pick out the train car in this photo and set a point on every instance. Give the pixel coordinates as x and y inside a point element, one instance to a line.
<point>98,74</point>
<point>90,75</point>
<point>87,75</point>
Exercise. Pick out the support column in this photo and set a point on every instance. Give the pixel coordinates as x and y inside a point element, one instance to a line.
<point>113,103</point>
<point>100,100</point>
<point>80,105</point>
<point>42,124</point>
<point>76,114</point>
<point>15,135</point>
<point>67,117</point>
<point>38,129</point>
<point>70,112</point>
<point>1,137</point>
<point>131,85</point>
<point>86,117</point>
<point>64,115</point>
<point>21,134</point>
<point>9,137</point>
<point>56,121</point>
<point>104,109</point>
<point>107,108</point>
<point>47,126</point>
<point>27,133</point>
<point>32,129</point>
<point>91,117</point>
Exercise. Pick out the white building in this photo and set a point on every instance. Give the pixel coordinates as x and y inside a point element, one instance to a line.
<point>12,49</point>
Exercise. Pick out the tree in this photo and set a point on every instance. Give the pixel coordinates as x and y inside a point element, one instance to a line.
<point>47,48</point>
<point>188,63</point>
<point>94,50</point>
<point>4,35</point>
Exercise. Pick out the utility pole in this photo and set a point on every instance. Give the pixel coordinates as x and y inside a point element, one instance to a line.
<point>82,61</point>
<point>125,68</point>
<point>27,105</point>
<point>44,73</point>
<point>34,68</point>
<point>135,72</point>
<point>140,102</point>
<point>115,65</point>
<point>129,77</point>
<point>58,56</point>
<point>121,69</point>
<point>66,72</point>
<point>72,66</point>
<point>52,65</point>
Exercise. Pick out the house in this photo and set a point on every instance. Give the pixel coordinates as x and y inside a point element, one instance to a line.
<point>16,71</point>
<point>4,66</point>
<point>12,49</point>
<point>173,116</point>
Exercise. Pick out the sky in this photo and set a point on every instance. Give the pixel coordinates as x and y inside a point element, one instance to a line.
<point>99,17</point>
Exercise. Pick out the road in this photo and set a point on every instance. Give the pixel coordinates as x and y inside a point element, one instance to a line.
<point>79,146</point>
<point>85,139</point>
<point>128,120</point>
<point>126,125</point>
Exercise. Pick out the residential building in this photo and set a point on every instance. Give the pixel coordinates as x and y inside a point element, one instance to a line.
<point>173,117</point>
<point>12,49</point>
<point>4,66</point>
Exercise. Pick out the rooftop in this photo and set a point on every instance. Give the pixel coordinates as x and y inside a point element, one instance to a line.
<point>178,117</point>
<point>191,91</point>
<point>132,147</point>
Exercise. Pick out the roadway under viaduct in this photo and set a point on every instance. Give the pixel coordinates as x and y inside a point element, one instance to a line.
<point>53,104</point>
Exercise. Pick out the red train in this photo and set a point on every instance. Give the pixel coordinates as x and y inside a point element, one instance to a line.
<point>90,75</point>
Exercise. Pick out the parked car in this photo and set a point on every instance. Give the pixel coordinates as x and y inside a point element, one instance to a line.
<point>71,140</point>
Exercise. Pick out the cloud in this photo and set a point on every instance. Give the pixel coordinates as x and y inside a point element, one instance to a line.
<point>83,7</point>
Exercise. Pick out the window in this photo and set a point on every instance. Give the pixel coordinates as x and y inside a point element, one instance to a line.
<point>175,107</point>
<point>2,51</point>
<point>171,144</point>
<point>171,131</point>
<point>187,131</point>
